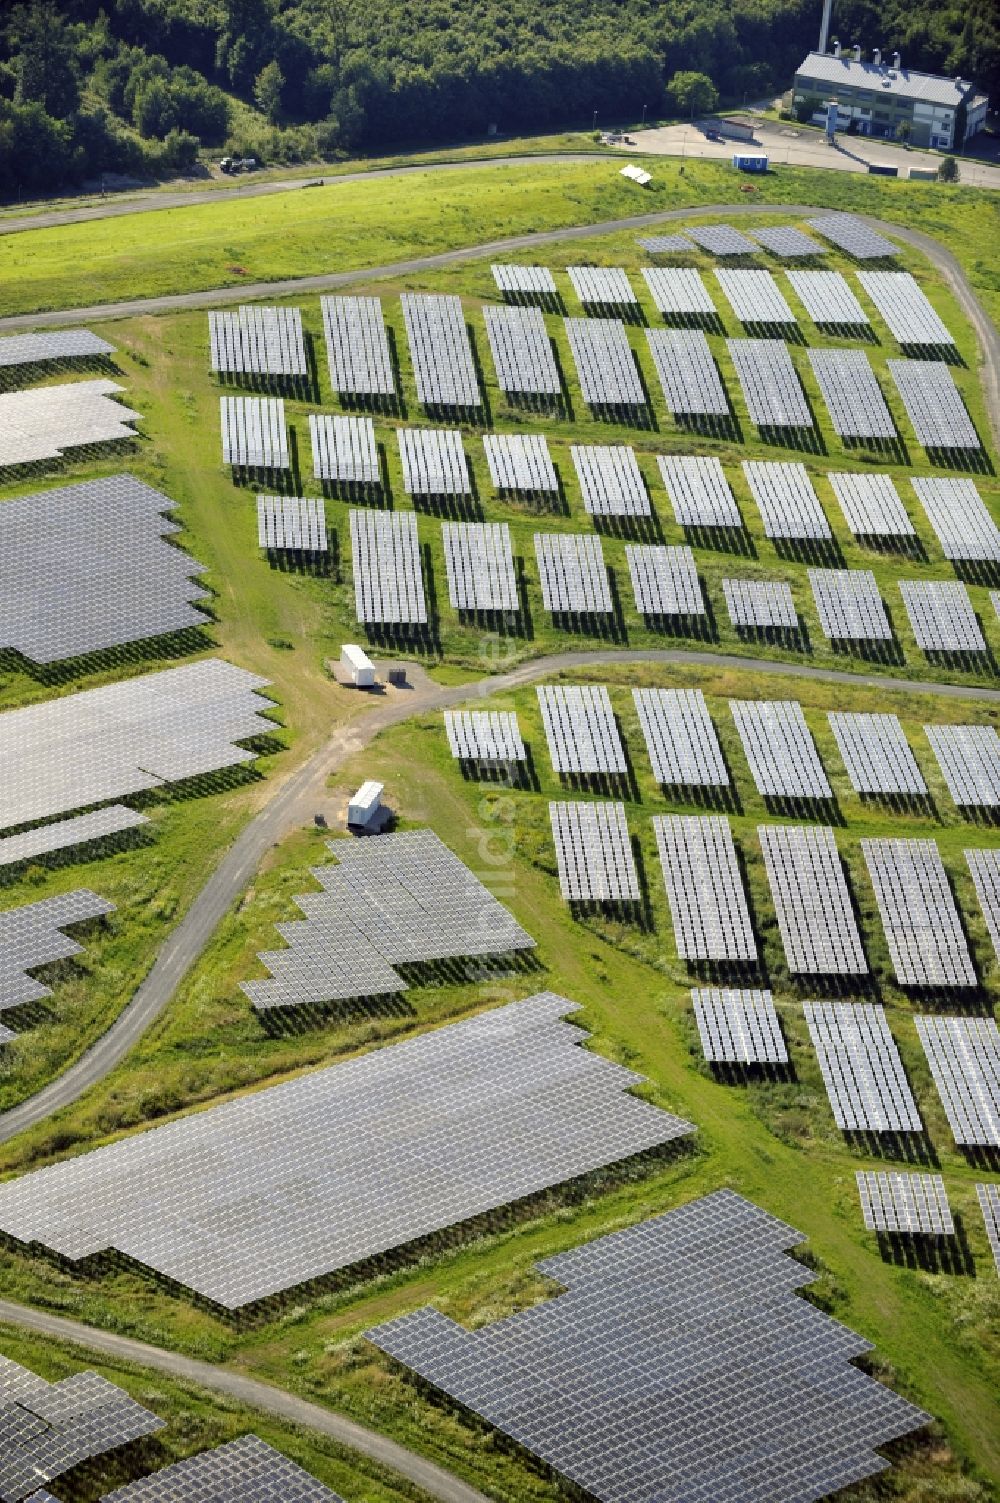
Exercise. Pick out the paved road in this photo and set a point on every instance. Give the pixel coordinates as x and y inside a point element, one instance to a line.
<point>434,1481</point>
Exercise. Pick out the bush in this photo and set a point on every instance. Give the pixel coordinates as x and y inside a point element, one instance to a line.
<point>948,170</point>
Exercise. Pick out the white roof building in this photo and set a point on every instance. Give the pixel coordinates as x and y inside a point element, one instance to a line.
<point>880,94</point>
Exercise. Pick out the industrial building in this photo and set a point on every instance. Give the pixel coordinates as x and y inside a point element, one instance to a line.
<point>883,98</point>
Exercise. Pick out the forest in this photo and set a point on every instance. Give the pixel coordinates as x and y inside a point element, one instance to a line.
<point>141,87</point>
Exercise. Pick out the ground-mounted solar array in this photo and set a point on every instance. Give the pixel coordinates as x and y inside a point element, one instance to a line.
<point>871,505</point>
<point>520,464</point>
<point>678,290</point>
<point>853,397</point>
<point>536,281</point>
<point>357,347</point>
<point>594,853</point>
<point>786,499</point>
<point>444,367</point>
<point>491,736</point>
<point>581,729</point>
<point>254,435</point>
<point>389,901</point>
<point>770,383</point>
<point>297,523</point>
<point>602,286</point>
<point>479,562</point>
<point>984,868</point>
<point>941,615</point>
<point>522,352</point>
<point>388,578</point>
<point>754,297</point>
<point>41,423</point>
<point>573,574</point>
<point>828,299</point>
<point>861,1067</point>
<point>760,604</point>
<point>258,341</point>
<point>934,404</point>
<point>699,492</point>
<point>376,1152</point>
<point>876,754</point>
<point>694,1305</point>
<point>611,483</point>
<point>665,245</point>
<point>680,738</point>
<point>86,568</point>
<point>818,929</point>
<point>964,1058</point>
<point>66,834</point>
<point>722,240</point>
<point>739,1027</point>
<point>905,308</point>
<point>923,930</point>
<point>605,365</point>
<point>960,519</point>
<point>780,750</point>
<point>852,235</point>
<point>32,936</point>
<point>344,449</point>
<point>969,759</point>
<point>47,1429</point>
<point>701,873</point>
<point>785,240</point>
<point>687,372</point>
<point>434,462</point>
<point>989,1203</point>
<point>664,580</point>
<point>905,1204</point>
<point>243,1471</point>
<point>53,345</point>
<point>849,605</point>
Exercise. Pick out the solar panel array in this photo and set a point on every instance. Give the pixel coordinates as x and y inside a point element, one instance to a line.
<point>57,344</point>
<point>572,573</point>
<point>40,424</point>
<point>778,745</point>
<point>853,236</point>
<point>522,351</point>
<point>739,1027</point>
<point>292,522</point>
<point>664,580</point>
<point>390,900</point>
<point>787,502</point>
<point>662,245</point>
<point>678,289</point>
<point>484,736</point>
<point>760,603</point>
<point>258,341</point>
<point>50,1428</point>
<point>852,394</point>
<point>785,240</point>
<point>876,754</point>
<point>722,240</point>
<point>933,404</point>
<point>849,606</point>
<point>871,506</point>
<point>344,449</point>
<point>520,463</point>
<point>941,615</point>
<point>605,365</point>
<point>581,729</point>
<point>989,1203</point>
<point>763,1403</point>
<point>64,834</point>
<point>964,1058</point>
<point>905,307</point>
<point>960,519</point>
<point>357,347</point>
<point>754,296</point>
<point>480,565</point>
<point>984,867</point>
<point>87,748</point>
<point>770,384</point>
<point>687,373</point>
<point>86,568</point>
<point>818,929</point>
<point>388,582</point>
<point>699,492</point>
<point>861,1067</point>
<point>828,299</point>
<point>593,853</point>
<point>922,928</point>
<point>434,462</point>
<point>444,367</point>
<point>243,1471</point>
<point>601,286</point>
<point>969,759</point>
<point>680,738</point>
<point>701,873</point>
<point>31,936</point>
<point>611,482</point>
<point>524,279</point>
<point>253,433</point>
<point>905,1204</point>
<point>374,1153</point>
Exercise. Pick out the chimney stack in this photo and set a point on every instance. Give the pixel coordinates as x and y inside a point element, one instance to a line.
<point>877,57</point>
<point>857,52</point>
<point>896,61</point>
<point>836,49</point>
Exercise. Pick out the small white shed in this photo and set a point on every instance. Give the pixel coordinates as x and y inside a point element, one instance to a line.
<point>366,805</point>
<point>357,666</point>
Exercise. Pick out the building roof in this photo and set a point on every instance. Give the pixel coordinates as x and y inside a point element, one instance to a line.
<point>926,88</point>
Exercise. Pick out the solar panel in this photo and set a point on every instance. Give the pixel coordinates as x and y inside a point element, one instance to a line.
<point>876,754</point>
<point>522,352</point>
<point>770,384</point>
<point>357,347</point>
<point>779,748</point>
<point>905,308</point>
<point>480,564</point>
<point>344,449</point>
<point>680,738</point>
<point>54,344</point>
<point>964,1058</point>
<point>39,424</point>
<point>852,235</point>
<point>530,280</point>
<point>969,759</point>
<point>581,729</point>
<point>961,522</point>
<point>923,931</point>
<point>941,615</point>
<point>933,404</point>
<point>594,853</point>
<point>852,394</point>
<point>760,604</point>
<point>573,576</point>
<point>788,504</point>
<point>86,568</point>
<point>828,299</point>
<point>754,296</point>
<point>678,290</point>
<point>739,1027</point>
<point>373,1153</point>
<point>849,606</point>
<point>989,1203</point>
<point>254,436</point>
<point>434,462</point>
<point>687,373</point>
<point>699,492</point>
<point>65,834</point>
<point>786,241</point>
<point>871,506</point>
<point>701,873</point>
<point>258,341</point>
<point>818,929</point>
<point>611,481</point>
<point>520,464</point>
<point>605,364</point>
<point>291,522</point>
<point>906,1204</point>
<point>244,1471</point>
<point>602,286</point>
<point>444,367</point>
<point>984,867</point>
<point>722,240</point>
<point>861,1067</point>
<point>388,580</point>
<point>664,581</point>
<point>32,936</point>
<point>491,736</point>
<point>676,1364</point>
<point>664,245</point>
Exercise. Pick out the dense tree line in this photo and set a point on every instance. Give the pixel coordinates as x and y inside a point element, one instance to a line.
<point>139,86</point>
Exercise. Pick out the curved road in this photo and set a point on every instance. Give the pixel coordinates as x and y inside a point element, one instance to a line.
<point>435,1482</point>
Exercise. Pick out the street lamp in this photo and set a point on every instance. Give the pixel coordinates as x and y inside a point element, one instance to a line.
<point>643,126</point>
<point>594,126</point>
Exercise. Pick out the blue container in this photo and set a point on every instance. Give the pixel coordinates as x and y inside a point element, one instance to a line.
<point>755,163</point>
